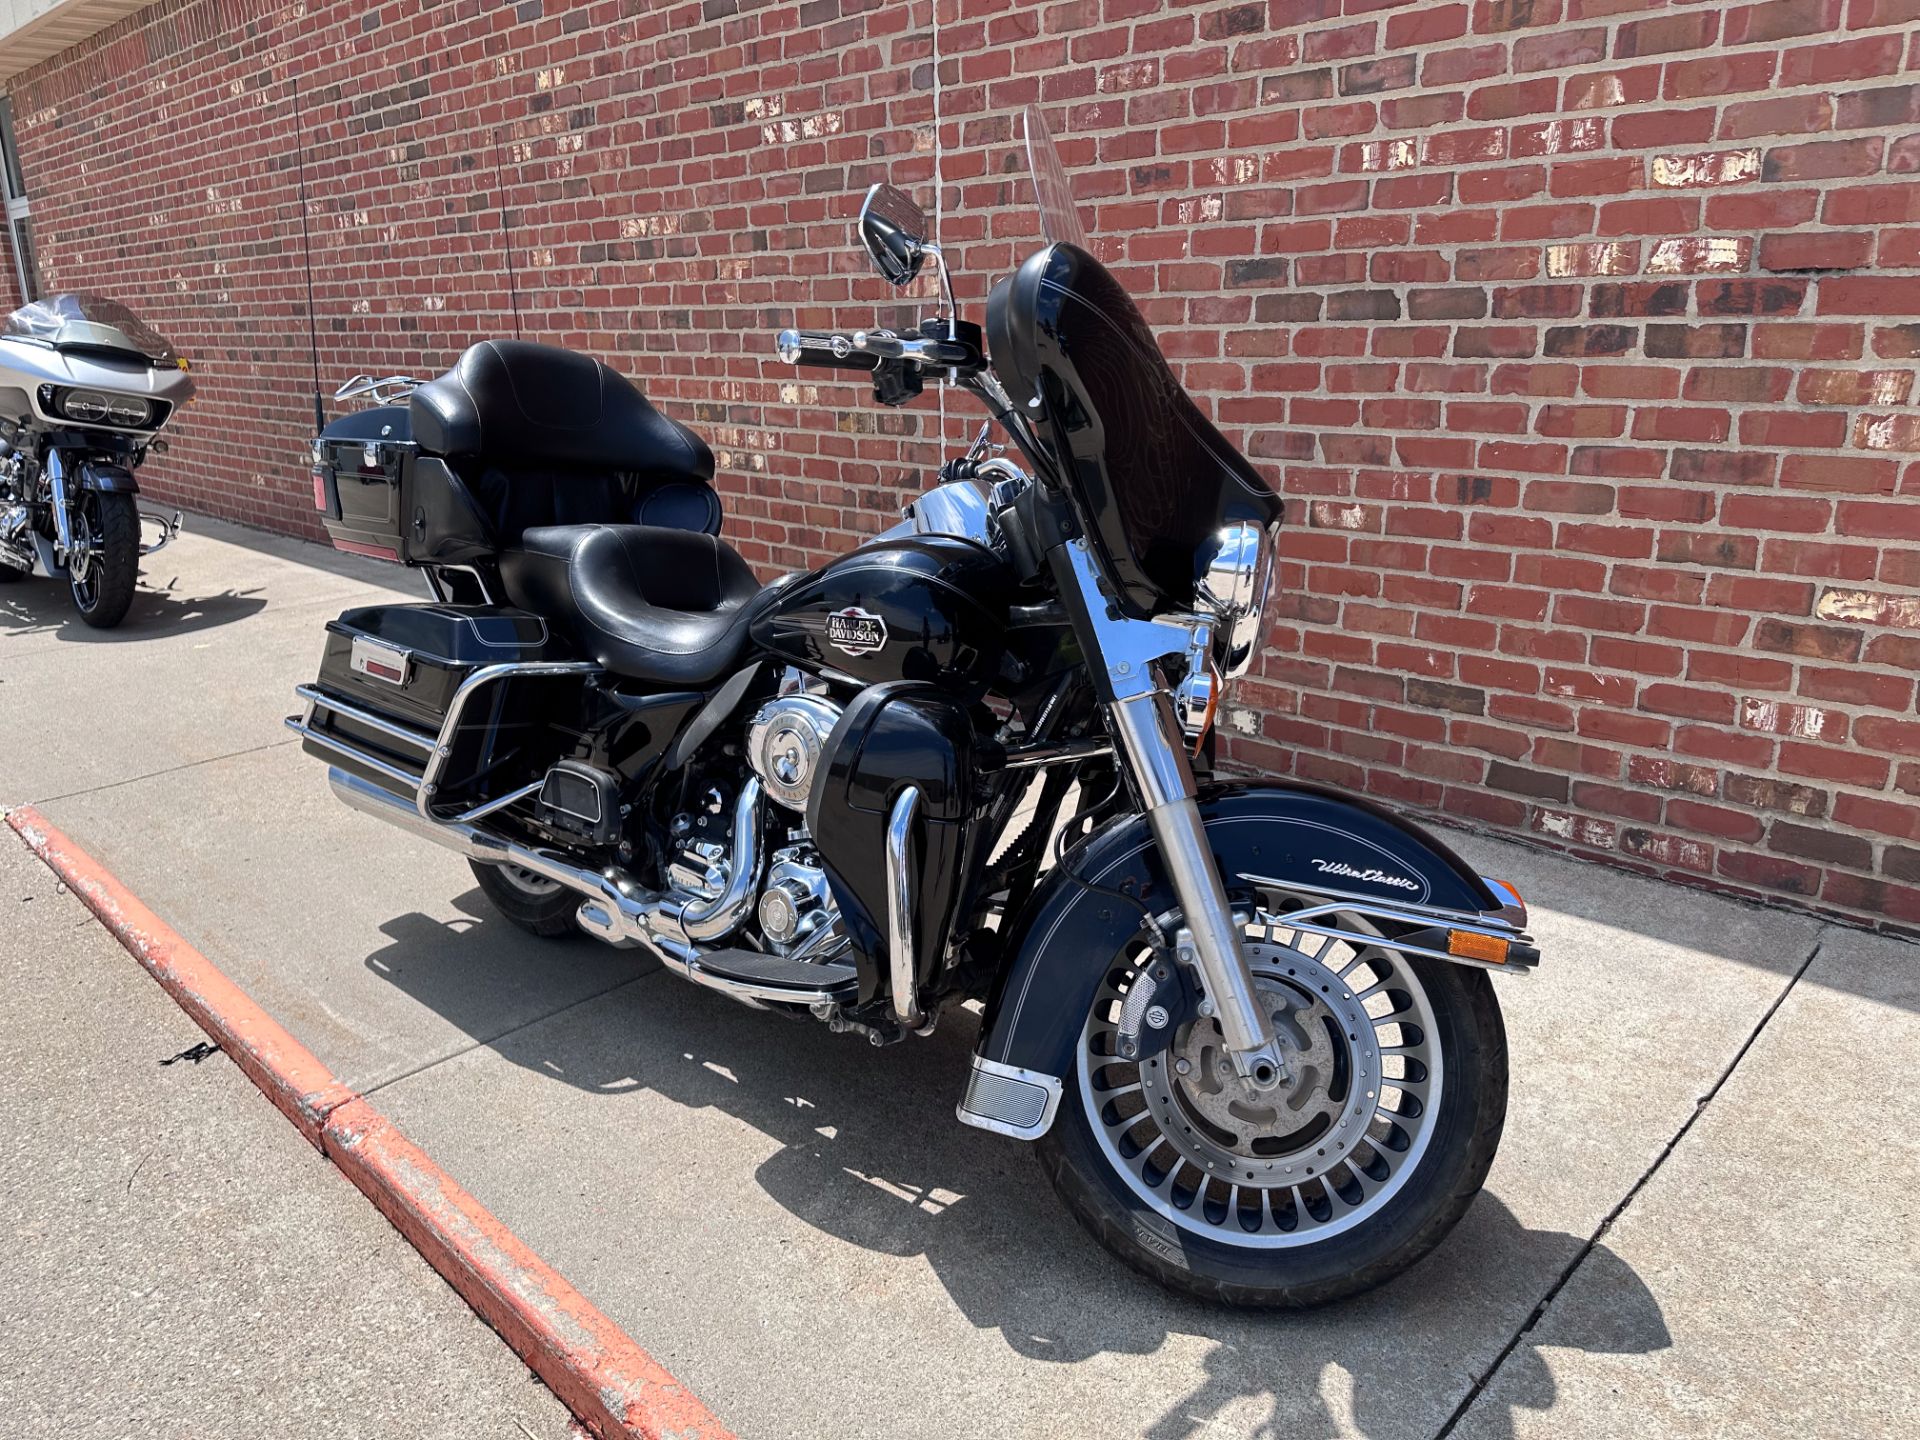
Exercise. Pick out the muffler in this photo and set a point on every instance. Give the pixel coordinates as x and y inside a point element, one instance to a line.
<point>613,906</point>
<point>619,907</point>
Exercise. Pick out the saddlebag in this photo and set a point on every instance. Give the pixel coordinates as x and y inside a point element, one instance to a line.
<point>390,675</point>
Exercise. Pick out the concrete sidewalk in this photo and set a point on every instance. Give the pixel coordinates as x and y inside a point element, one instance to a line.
<point>178,1260</point>
<point>794,1223</point>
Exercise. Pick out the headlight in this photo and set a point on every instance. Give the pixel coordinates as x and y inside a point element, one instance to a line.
<point>97,407</point>
<point>1235,582</point>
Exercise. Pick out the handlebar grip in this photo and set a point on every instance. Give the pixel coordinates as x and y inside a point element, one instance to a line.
<point>813,347</point>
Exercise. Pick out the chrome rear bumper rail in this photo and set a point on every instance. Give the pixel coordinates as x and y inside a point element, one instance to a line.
<point>406,734</point>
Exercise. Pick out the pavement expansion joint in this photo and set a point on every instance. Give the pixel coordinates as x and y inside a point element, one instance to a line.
<point>1487,1377</point>
<point>483,1041</point>
<point>169,770</point>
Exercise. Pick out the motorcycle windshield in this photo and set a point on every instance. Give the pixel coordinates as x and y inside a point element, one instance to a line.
<point>1150,477</point>
<point>1052,191</point>
<point>81,321</point>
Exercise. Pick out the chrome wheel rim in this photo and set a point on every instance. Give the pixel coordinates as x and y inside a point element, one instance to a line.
<point>1328,1150</point>
<point>80,558</point>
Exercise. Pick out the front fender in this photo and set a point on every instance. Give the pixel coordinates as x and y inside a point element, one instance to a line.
<point>1067,936</point>
<point>116,479</point>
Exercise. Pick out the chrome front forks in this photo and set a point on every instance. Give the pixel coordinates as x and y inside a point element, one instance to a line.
<point>1147,731</point>
<point>62,521</point>
<point>1140,713</point>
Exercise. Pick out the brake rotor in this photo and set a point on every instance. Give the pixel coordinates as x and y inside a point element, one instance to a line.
<point>1307,1124</point>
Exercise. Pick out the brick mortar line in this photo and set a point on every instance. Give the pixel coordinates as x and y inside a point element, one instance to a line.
<point>1487,1377</point>
<point>610,1384</point>
<point>1730,891</point>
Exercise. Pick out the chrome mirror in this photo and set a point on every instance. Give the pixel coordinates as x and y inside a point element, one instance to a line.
<point>894,230</point>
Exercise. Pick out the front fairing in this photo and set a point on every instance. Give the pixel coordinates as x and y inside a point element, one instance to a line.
<point>80,322</point>
<point>1150,479</point>
<point>31,374</point>
<point>85,343</point>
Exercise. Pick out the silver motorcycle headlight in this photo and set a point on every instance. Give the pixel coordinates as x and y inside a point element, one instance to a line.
<point>97,407</point>
<point>1234,585</point>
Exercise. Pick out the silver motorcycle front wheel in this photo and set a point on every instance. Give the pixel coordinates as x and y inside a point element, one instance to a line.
<point>1357,1165</point>
<point>104,567</point>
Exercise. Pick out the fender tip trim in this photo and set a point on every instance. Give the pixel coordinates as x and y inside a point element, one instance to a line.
<point>1009,1100</point>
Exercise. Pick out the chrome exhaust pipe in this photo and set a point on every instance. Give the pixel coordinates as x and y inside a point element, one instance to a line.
<point>613,906</point>
<point>16,551</point>
<point>686,922</point>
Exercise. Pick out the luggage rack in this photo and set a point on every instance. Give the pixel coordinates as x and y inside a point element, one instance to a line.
<point>435,749</point>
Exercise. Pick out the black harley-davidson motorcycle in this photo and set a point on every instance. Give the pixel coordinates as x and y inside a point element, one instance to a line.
<point>1247,1024</point>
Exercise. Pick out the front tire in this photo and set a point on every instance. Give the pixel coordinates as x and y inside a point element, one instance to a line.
<point>1357,1167</point>
<point>102,586</point>
<point>536,904</point>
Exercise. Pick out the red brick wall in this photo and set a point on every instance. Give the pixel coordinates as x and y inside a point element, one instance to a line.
<point>9,281</point>
<point>1580,334</point>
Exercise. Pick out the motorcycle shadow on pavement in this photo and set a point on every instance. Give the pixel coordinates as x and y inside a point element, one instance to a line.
<point>38,606</point>
<point>870,1154</point>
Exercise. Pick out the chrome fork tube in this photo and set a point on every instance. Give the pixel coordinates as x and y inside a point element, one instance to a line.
<point>1140,714</point>
<point>1145,726</point>
<point>62,522</point>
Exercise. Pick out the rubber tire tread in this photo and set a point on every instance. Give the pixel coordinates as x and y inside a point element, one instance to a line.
<point>117,568</point>
<point>548,916</point>
<point>1473,1105</point>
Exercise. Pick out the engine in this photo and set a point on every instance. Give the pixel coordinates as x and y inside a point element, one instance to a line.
<point>795,903</point>
<point>785,743</point>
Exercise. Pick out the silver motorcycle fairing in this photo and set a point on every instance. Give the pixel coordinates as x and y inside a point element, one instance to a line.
<point>26,365</point>
<point>1362,859</point>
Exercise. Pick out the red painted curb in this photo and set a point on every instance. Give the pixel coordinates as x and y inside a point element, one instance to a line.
<point>601,1375</point>
<point>610,1384</point>
<point>286,1072</point>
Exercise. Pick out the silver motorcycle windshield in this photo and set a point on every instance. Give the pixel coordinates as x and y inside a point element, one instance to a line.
<point>81,321</point>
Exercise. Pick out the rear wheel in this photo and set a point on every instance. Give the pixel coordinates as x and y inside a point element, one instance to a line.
<point>1364,1158</point>
<point>536,904</point>
<point>105,563</point>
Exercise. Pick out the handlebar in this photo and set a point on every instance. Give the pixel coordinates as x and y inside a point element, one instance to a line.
<point>865,349</point>
<point>814,347</point>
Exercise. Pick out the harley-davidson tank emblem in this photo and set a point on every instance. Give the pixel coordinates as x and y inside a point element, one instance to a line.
<point>1371,875</point>
<point>856,631</point>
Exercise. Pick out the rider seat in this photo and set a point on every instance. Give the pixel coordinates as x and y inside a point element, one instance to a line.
<point>666,606</point>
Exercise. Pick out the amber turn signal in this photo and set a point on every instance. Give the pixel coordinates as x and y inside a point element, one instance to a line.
<point>1472,946</point>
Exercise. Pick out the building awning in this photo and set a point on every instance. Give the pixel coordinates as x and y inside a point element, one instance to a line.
<point>35,30</point>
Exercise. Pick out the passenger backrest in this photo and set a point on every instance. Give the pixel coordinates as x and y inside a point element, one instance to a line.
<point>543,436</point>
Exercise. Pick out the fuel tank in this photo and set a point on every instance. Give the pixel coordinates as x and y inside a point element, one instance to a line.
<point>930,608</point>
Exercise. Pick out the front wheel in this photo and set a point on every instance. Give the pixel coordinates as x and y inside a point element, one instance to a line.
<point>105,563</point>
<point>1355,1167</point>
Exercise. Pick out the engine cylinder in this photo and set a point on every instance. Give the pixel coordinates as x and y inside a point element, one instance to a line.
<point>784,744</point>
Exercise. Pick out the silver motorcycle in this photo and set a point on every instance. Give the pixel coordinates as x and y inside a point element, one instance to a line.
<point>85,389</point>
